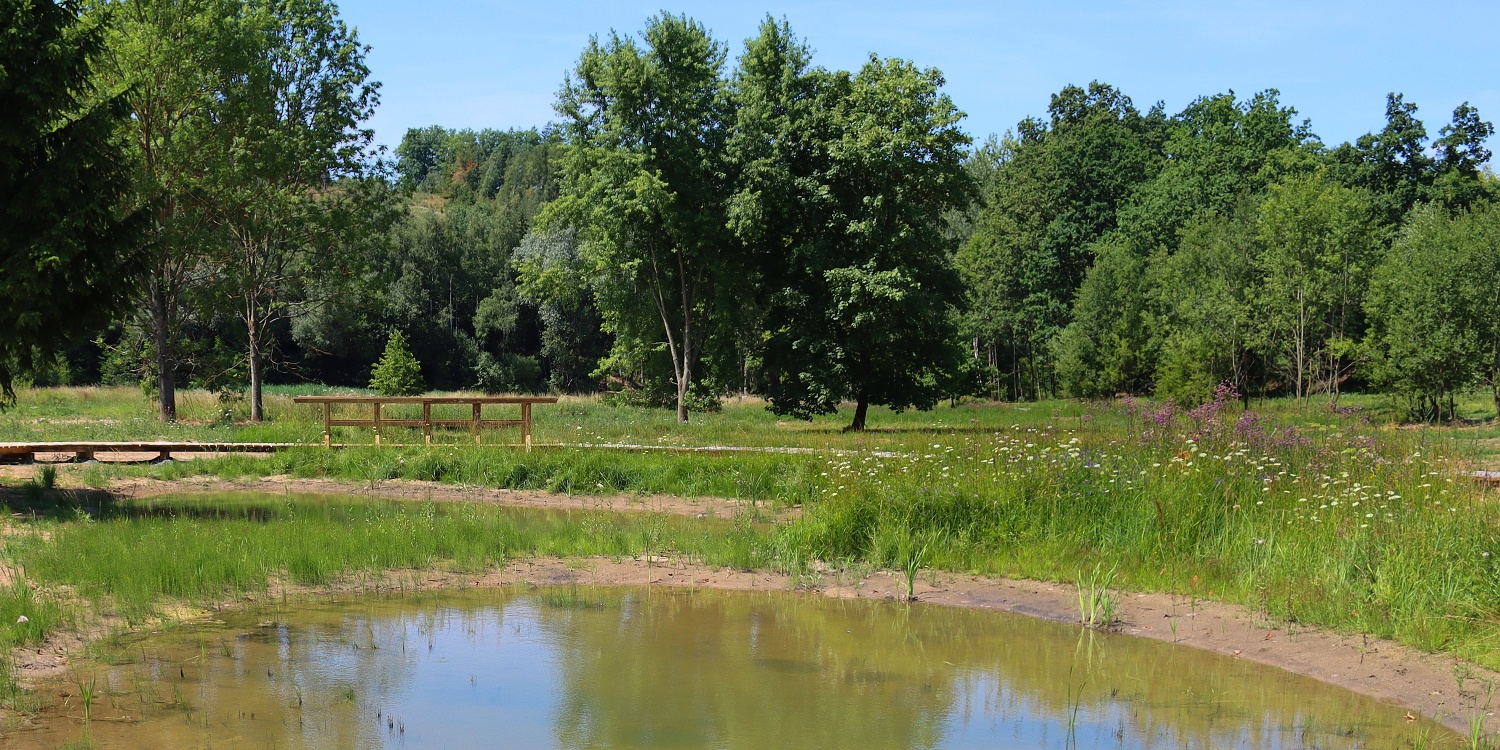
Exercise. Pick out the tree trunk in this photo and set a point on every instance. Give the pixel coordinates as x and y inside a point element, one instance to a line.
<point>861,408</point>
<point>1495,391</point>
<point>682,410</point>
<point>166,363</point>
<point>257,412</point>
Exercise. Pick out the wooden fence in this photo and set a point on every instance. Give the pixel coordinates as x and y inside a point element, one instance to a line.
<point>474,423</point>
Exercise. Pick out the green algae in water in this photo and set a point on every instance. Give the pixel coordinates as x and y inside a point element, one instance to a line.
<point>668,668</point>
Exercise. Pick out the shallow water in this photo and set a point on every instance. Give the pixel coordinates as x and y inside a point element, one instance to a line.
<point>669,668</point>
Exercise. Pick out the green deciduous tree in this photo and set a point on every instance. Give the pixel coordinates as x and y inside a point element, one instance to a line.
<point>1434,330</point>
<point>175,62</point>
<point>846,180</point>
<point>1207,294</point>
<point>1318,247</point>
<point>645,184</point>
<point>1196,325</point>
<point>295,193</point>
<point>1057,190</point>
<point>67,255</point>
<point>1107,348</point>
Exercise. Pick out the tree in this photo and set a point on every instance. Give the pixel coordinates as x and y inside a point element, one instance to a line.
<point>1106,349</point>
<point>1219,155</point>
<point>572,340</point>
<point>297,190</point>
<point>644,183</point>
<point>1432,303</point>
<point>862,298</point>
<point>1208,295</point>
<point>68,261</point>
<point>1459,184</point>
<point>1056,191</point>
<point>444,274</point>
<point>1396,167</point>
<point>1393,164</point>
<point>1318,246</point>
<point>398,373</point>
<point>174,61</point>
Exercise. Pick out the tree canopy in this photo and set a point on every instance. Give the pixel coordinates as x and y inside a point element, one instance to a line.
<point>67,231</point>
<point>704,219</point>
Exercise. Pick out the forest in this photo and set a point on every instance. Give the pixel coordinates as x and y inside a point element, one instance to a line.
<point>192,199</point>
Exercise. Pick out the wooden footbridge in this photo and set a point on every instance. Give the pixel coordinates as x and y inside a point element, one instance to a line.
<point>158,450</point>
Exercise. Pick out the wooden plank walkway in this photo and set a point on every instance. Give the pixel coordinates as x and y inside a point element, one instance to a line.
<point>86,450</point>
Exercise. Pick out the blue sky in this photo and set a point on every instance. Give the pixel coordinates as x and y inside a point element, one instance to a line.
<point>498,63</point>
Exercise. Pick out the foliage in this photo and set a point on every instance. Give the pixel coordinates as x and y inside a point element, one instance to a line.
<point>1106,349</point>
<point>1058,190</point>
<point>175,64</point>
<point>695,228</point>
<point>1318,246</point>
<point>1432,304</point>
<point>643,185</point>
<point>298,197</point>
<point>67,253</point>
<point>857,291</point>
<point>398,373</point>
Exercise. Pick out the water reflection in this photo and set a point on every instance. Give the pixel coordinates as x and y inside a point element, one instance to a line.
<point>637,668</point>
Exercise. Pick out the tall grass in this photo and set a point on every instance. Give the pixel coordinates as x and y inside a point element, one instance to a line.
<point>1334,522</point>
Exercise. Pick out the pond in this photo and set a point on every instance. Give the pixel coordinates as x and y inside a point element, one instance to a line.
<point>671,668</point>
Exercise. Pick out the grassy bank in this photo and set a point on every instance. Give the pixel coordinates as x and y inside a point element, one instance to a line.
<point>135,555</point>
<point>1336,523</point>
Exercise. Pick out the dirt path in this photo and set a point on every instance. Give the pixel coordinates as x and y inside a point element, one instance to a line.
<point>408,489</point>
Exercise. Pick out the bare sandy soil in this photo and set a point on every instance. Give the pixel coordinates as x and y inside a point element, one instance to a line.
<point>1409,679</point>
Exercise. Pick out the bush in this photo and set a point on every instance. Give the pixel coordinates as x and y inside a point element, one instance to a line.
<point>508,373</point>
<point>398,373</point>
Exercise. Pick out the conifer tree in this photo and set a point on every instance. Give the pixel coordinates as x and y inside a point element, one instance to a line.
<point>398,373</point>
<point>66,243</point>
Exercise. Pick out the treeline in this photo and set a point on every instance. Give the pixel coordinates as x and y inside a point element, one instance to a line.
<point>697,223</point>
<point>1120,251</point>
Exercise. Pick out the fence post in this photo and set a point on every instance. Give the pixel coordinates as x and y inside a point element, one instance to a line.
<point>377,423</point>
<point>427,422</point>
<point>526,424</point>
<point>476,422</point>
<point>327,425</point>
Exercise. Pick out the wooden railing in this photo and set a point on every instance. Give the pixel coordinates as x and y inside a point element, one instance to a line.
<point>475,423</point>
